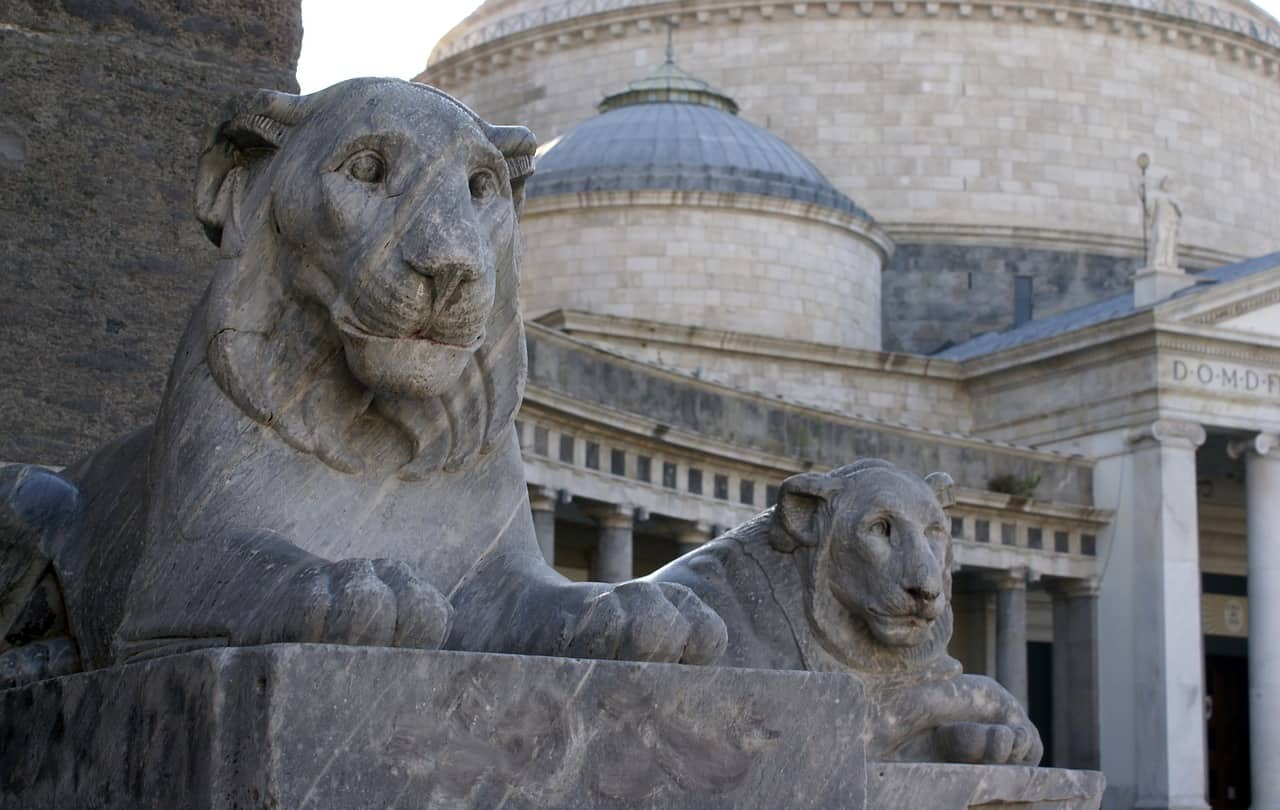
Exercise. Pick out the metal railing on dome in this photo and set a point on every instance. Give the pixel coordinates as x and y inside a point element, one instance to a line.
<point>1209,15</point>
<point>570,9</point>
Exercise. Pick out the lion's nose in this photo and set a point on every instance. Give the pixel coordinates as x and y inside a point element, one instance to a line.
<point>447,250</point>
<point>923,593</point>
<point>444,265</point>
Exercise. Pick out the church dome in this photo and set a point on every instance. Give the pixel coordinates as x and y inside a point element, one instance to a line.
<point>667,207</point>
<point>673,132</point>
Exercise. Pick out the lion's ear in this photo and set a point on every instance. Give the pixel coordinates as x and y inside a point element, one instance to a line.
<point>797,516</point>
<point>518,145</point>
<point>256,125</point>
<point>944,489</point>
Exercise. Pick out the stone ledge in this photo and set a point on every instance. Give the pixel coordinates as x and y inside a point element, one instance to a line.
<point>330,728</point>
<point>974,787</point>
<point>349,728</point>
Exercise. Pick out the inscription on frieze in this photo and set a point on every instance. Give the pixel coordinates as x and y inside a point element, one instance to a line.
<point>1221,376</point>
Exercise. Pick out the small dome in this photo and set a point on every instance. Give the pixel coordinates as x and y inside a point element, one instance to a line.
<point>672,132</point>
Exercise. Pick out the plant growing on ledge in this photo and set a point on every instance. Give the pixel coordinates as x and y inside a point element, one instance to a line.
<point>1016,485</point>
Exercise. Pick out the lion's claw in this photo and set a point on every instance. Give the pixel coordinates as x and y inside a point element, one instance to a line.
<point>990,743</point>
<point>644,621</point>
<point>362,602</point>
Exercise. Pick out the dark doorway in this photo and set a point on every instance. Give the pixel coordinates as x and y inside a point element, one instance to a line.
<point>1226,683</point>
<point>1040,694</point>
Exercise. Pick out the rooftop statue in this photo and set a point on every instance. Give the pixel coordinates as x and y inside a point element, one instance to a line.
<point>334,458</point>
<point>851,572</point>
<point>1163,219</point>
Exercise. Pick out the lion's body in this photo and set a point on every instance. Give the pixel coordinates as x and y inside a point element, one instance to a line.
<point>850,572</point>
<point>334,458</point>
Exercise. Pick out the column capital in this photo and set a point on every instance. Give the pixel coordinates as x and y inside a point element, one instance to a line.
<point>693,533</point>
<point>1260,444</point>
<point>1168,433</point>
<point>542,499</point>
<point>1011,580</point>
<point>613,515</point>
<point>1073,588</point>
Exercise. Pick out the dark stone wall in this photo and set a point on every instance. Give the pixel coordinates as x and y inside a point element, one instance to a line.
<point>935,296</point>
<point>585,374</point>
<point>103,108</point>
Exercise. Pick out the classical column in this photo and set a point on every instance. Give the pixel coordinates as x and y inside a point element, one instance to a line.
<point>614,543</point>
<point>1262,517</point>
<point>1167,645</point>
<point>542,502</point>
<point>1075,674</point>
<point>1011,633</point>
<point>690,535</point>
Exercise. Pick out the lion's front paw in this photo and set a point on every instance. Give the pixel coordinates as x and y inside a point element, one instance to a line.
<point>357,601</point>
<point>646,621</point>
<point>990,743</point>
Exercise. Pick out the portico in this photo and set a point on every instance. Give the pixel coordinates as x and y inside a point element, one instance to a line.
<point>1162,398</point>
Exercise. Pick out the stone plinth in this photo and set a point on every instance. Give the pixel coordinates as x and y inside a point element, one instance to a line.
<point>339,728</point>
<point>999,787</point>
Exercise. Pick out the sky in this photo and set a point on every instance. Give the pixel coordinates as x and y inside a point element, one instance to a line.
<point>346,38</point>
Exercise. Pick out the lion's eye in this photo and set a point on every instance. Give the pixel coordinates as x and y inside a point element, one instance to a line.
<point>880,528</point>
<point>366,167</point>
<point>484,184</point>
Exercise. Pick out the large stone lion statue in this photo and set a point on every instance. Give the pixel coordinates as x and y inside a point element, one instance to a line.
<point>851,572</point>
<point>334,458</point>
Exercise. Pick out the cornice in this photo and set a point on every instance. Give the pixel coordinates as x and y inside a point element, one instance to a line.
<point>865,229</point>
<point>884,426</point>
<point>930,233</point>
<point>575,23</point>
<point>719,340</point>
<point>631,429</point>
<point>1237,308</point>
<point>1219,343</point>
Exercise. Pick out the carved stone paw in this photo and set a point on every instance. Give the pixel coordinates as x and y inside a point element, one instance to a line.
<point>356,601</point>
<point>646,621</point>
<point>990,743</point>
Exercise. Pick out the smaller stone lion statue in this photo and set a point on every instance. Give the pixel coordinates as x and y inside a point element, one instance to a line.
<point>851,572</point>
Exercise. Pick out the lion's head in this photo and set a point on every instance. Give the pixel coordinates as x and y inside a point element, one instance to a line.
<point>875,551</point>
<point>370,243</point>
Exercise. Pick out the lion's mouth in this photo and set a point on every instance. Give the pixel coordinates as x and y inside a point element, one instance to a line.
<point>912,618</point>
<point>427,335</point>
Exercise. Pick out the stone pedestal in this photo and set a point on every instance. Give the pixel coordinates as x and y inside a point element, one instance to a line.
<point>1262,516</point>
<point>921,786</point>
<point>1011,634</point>
<point>1154,284</point>
<point>339,728</point>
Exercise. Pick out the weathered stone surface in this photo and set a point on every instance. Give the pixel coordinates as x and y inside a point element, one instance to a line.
<point>102,113</point>
<point>334,459</point>
<point>321,727</point>
<point>937,295</point>
<point>851,572</point>
<point>577,371</point>
<point>899,786</point>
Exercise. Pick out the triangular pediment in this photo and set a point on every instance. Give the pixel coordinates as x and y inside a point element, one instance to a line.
<point>1250,305</point>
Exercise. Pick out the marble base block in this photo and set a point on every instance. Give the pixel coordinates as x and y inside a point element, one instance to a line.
<point>980,787</point>
<point>349,728</point>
